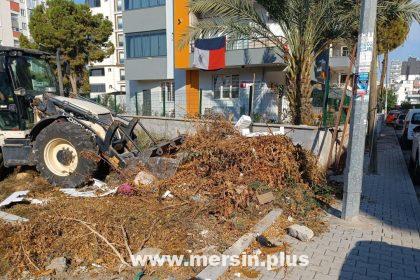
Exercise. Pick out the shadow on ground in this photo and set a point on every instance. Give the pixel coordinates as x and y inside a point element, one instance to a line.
<point>380,260</point>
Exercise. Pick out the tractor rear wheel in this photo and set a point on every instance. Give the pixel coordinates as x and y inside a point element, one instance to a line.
<point>66,154</point>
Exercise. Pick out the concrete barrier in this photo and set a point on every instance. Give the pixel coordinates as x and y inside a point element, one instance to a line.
<point>317,140</point>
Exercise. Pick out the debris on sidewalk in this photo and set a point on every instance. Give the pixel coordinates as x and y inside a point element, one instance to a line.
<point>15,197</point>
<point>24,176</point>
<point>243,126</point>
<point>168,194</point>
<point>265,198</point>
<point>59,265</point>
<point>11,218</point>
<point>97,189</point>
<point>226,184</point>
<point>144,178</point>
<point>126,189</point>
<point>300,232</point>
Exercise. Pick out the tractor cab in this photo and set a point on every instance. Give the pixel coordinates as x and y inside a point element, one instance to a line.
<point>24,74</point>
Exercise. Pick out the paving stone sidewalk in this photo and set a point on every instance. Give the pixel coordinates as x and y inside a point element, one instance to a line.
<point>383,243</point>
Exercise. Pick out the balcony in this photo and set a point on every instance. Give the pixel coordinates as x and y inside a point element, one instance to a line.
<point>252,52</point>
<point>339,62</point>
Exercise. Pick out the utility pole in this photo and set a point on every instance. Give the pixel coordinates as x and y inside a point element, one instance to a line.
<point>355,158</point>
<point>59,72</point>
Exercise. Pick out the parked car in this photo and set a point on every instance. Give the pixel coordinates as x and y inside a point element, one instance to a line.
<point>415,156</point>
<point>412,120</point>
<point>392,115</point>
<point>399,121</point>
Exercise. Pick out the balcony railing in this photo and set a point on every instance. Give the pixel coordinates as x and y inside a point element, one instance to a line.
<point>252,43</point>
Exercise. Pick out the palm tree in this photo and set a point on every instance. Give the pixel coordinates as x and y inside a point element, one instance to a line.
<point>309,26</point>
<point>305,32</point>
<point>393,34</point>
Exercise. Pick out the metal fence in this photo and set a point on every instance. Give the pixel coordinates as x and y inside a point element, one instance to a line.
<point>261,104</point>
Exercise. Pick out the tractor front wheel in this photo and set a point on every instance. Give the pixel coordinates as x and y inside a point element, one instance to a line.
<point>66,154</point>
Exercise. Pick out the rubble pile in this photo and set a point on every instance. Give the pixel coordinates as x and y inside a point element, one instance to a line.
<point>225,184</point>
<point>231,172</point>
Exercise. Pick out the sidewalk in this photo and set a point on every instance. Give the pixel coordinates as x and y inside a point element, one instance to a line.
<point>383,244</point>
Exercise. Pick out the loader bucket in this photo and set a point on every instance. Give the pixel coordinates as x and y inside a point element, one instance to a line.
<point>163,159</point>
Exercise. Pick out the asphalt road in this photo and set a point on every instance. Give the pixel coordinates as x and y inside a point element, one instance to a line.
<point>406,154</point>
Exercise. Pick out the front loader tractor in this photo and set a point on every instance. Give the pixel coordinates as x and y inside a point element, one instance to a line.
<point>67,139</point>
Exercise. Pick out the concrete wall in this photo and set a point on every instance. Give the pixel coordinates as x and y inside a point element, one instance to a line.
<point>311,138</point>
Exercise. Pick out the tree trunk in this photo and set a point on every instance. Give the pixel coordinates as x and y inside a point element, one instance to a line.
<point>73,82</point>
<point>373,99</point>
<point>383,74</point>
<point>299,91</point>
<point>280,106</point>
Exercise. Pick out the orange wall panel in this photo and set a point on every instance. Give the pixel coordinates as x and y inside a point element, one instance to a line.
<point>192,92</point>
<point>14,6</point>
<point>181,24</point>
<point>16,34</point>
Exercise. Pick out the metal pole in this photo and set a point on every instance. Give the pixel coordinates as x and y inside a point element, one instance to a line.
<point>325,99</point>
<point>59,72</point>
<point>355,158</point>
<point>164,102</point>
<point>200,104</point>
<point>115,103</point>
<point>137,104</point>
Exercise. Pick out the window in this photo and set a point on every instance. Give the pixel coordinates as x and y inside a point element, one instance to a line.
<point>97,88</point>
<point>119,23</point>
<point>120,40</point>
<point>167,89</point>
<point>24,26</point>
<point>146,44</point>
<point>118,5</point>
<point>344,51</point>
<point>122,88</point>
<point>97,72</point>
<point>342,79</point>
<point>416,118</point>
<point>15,22</point>
<point>226,86</point>
<point>22,12</point>
<point>93,3</point>
<point>140,4</point>
<point>16,43</point>
<point>122,74</point>
<point>121,58</point>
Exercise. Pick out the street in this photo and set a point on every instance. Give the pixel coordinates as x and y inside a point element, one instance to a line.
<point>406,153</point>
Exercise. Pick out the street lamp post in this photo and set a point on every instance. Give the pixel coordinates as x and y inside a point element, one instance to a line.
<point>355,158</point>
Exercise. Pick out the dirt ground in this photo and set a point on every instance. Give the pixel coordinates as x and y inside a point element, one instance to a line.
<point>214,203</point>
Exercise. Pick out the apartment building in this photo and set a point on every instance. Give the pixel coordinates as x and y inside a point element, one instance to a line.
<point>161,79</point>
<point>408,83</point>
<point>108,76</point>
<point>395,72</point>
<point>14,20</point>
<point>339,62</point>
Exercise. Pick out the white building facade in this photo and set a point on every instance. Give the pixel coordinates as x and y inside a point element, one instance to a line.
<point>108,76</point>
<point>407,84</point>
<point>14,20</point>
